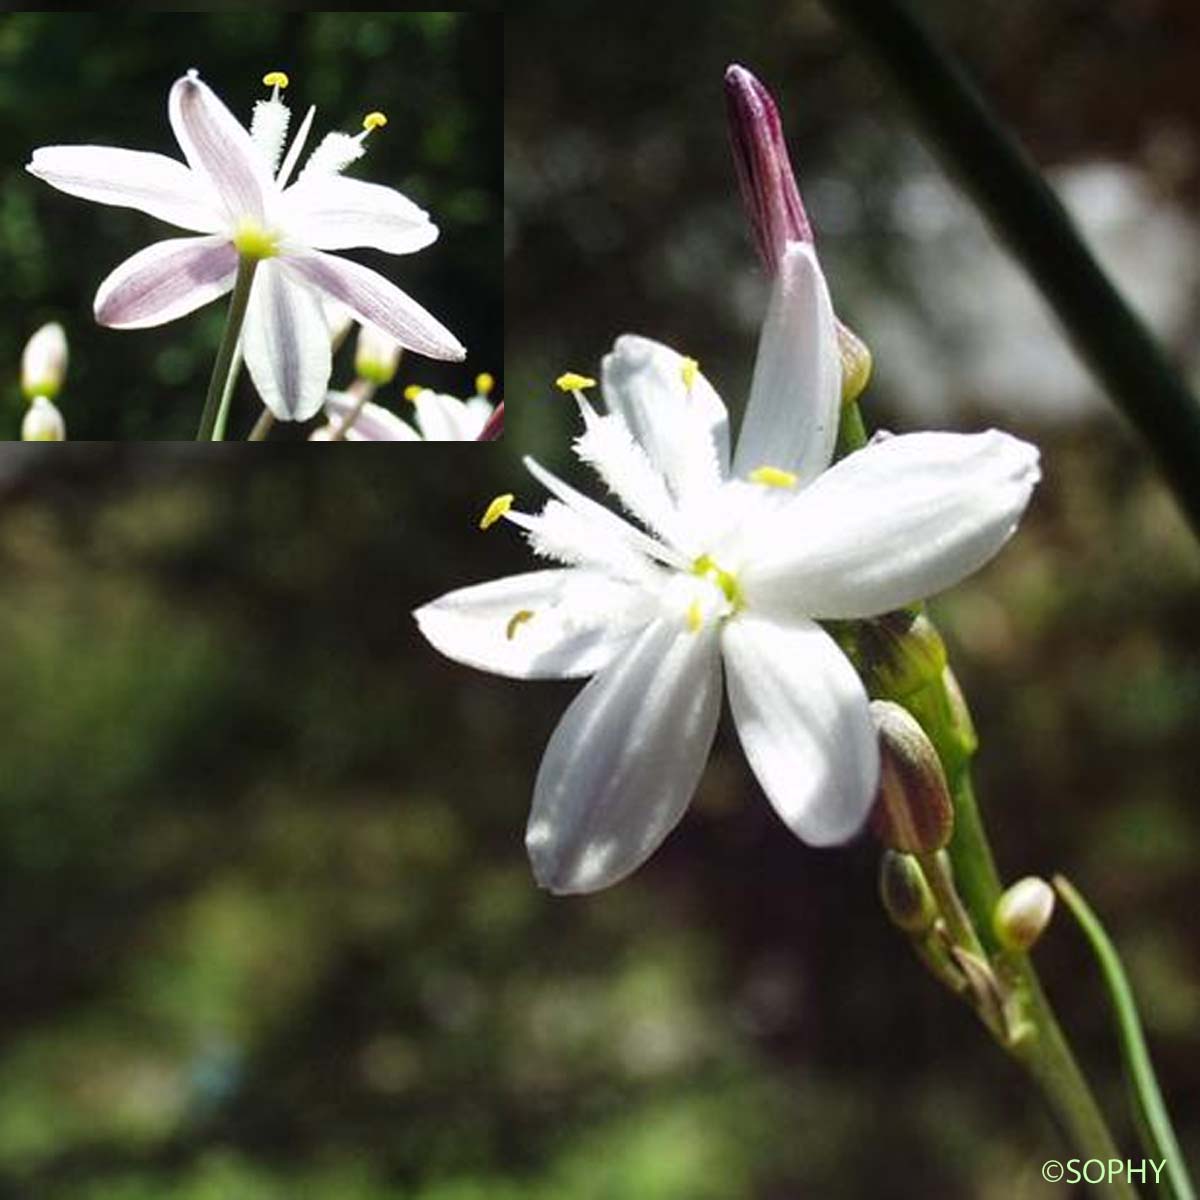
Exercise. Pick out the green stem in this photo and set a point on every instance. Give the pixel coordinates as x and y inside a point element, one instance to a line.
<point>1004,182</point>
<point>1155,1122</point>
<point>235,371</point>
<point>362,391</point>
<point>852,432</point>
<point>262,426</point>
<point>222,368</point>
<point>941,884</point>
<point>1041,1047</point>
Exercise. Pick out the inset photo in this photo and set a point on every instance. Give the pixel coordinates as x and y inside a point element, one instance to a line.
<point>250,226</point>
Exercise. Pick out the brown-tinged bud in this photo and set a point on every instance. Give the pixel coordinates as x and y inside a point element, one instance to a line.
<point>905,893</point>
<point>913,812</point>
<point>1023,913</point>
<point>764,170</point>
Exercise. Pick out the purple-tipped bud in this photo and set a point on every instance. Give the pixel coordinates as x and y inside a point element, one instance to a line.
<point>764,170</point>
<point>493,431</point>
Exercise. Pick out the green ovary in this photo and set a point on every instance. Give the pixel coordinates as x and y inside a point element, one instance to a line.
<point>251,240</point>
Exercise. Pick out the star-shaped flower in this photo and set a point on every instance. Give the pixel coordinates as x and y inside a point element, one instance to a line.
<point>230,193</point>
<point>726,568</point>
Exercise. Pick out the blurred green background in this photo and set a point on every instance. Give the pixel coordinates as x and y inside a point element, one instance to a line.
<point>269,929</point>
<point>103,78</point>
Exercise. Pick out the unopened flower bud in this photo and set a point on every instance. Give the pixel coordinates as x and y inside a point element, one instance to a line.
<point>376,356</point>
<point>44,363</point>
<point>43,422</point>
<point>764,170</point>
<point>1023,913</point>
<point>912,812</point>
<point>903,653</point>
<point>905,892</point>
<point>856,364</point>
<point>493,431</point>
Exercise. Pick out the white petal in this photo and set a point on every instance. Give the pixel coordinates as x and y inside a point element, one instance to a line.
<point>286,344</point>
<point>372,298</point>
<point>792,415</point>
<point>625,759</point>
<point>895,522</point>
<point>608,532</point>
<point>219,148</point>
<point>167,280</point>
<point>578,621</point>
<point>332,213</point>
<point>445,418</point>
<point>150,183</point>
<point>373,423</point>
<point>683,430</point>
<point>801,714</point>
<point>294,150</point>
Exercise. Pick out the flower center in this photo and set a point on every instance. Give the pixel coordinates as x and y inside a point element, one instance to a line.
<point>251,240</point>
<point>707,568</point>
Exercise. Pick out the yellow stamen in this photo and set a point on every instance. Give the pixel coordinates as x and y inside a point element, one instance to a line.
<point>707,568</point>
<point>484,384</point>
<point>374,120</point>
<point>275,79</point>
<point>773,477</point>
<point>412,392</point>
<point>496,510</point>
<point>689,368</point>
<point>695,618</point>
<point>516,621</point>
<point>570,382</point>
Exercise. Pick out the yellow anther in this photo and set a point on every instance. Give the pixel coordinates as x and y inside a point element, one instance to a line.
<point>570,382</point>
<point>689,369</point>
<point>707,568</point>
<point>516,621</point>
<point>695,618</point>
<point>275,79</point>
<point>496,510</point>
<point>412,392</point>
<point>484,384</point>
<point>773,477</point>
<point>374,120</point>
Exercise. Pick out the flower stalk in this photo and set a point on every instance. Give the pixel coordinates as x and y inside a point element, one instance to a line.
<point>216,404</point>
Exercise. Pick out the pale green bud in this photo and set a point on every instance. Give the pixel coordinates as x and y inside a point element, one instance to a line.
<point>913,811</point>
<point>376,356</point>
<point>43,422</point>
<point>44,362</point>
<point>856,363</point>
<point>1023,913</point>
<point>905,893</point>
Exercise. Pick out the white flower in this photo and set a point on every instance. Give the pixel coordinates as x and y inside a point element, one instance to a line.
<point>727,571</point>
<point>231,194</point>
<point>439,418</point>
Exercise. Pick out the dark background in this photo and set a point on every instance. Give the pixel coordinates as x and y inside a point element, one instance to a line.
<point>103,78</point>
<point>269,929</point>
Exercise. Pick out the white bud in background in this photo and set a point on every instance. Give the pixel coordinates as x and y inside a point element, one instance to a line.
<point>43,422</point>
<point>44,363</point>
<point>1023,913</point>
<point>376,356</point>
